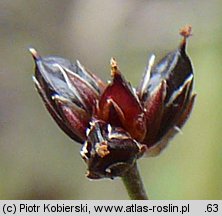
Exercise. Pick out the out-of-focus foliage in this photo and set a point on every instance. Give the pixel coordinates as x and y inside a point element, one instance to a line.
<point>38,161</point>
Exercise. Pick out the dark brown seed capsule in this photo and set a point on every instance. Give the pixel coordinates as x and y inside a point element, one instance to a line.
<point>69,92</point>
<point>115,123</point>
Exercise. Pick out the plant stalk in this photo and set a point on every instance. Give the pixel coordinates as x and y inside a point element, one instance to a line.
<point>134,185</point>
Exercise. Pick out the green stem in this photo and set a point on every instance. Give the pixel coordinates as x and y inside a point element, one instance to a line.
<point>134,184</point>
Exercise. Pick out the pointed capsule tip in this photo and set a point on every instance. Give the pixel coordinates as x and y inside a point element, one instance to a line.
<point>185,32</point>
<point>114,66</point>
<point>113,62</point>
<point>34,53</point>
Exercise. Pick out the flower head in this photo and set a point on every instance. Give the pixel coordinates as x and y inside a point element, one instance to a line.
<point>115,123</point>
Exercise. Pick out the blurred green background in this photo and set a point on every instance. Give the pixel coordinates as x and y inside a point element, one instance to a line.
<point>38,161</point>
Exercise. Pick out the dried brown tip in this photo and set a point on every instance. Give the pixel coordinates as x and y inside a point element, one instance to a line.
<point>34,53</point>
<point>185,32</point>
<point>114,66</point>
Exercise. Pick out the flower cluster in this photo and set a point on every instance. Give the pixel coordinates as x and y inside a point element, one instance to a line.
<point>116,123</point>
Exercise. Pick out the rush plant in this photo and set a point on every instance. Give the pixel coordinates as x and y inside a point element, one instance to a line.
<point>115,123</point>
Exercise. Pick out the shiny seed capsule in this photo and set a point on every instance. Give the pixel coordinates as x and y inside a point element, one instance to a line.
<point>115,123</point>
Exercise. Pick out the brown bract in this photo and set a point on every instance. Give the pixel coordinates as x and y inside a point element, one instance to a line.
<point>116,123</point>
